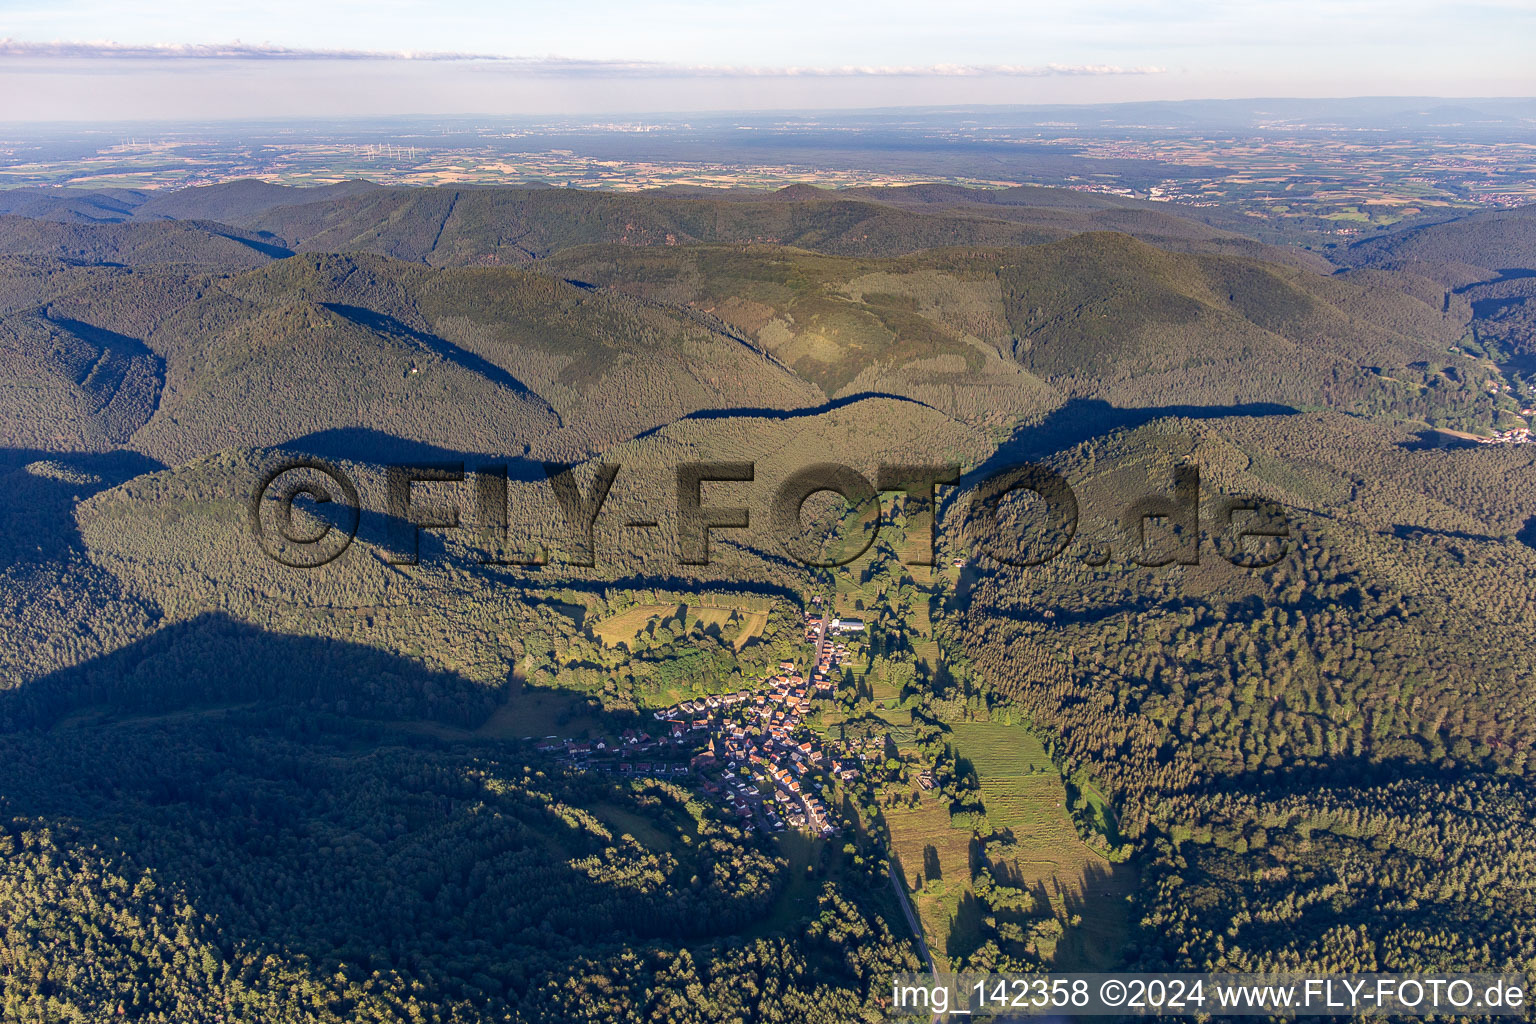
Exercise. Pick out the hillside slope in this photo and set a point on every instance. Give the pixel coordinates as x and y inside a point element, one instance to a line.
<point>1493,239</point>
<point>468,360</point>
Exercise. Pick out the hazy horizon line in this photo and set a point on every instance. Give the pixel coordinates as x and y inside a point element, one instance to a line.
<point>815,112</point>
<point>538,65</point>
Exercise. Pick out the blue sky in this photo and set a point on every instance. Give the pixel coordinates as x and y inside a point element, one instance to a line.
<point>86,58</point>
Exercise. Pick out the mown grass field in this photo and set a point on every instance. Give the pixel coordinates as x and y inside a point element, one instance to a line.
<point>936,865</point>
<point>539,713</point>
<point>623,820</point>
<point>926,649</point>
<point>1024,793</point>
<point>802,889</point>
<point>626,625</point>
<point>751,629</point>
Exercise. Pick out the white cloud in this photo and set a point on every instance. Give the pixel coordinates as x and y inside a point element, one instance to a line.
<point>557,66</point>
<point>209,51</point>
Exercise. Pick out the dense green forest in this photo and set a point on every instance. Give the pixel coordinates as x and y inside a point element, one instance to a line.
<point>278,860</point>
<point>1334,752</point>
<point>239,790</point>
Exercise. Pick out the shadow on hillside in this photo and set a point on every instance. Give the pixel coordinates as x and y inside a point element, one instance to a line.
<point>746,412</point>
<point>1060,616</point>
<point>1435,440</point>
<point>37,506</point>
<point>1504,274</point>
<point>269,249</point>
<point>216,661</point>
<point>1351,772</point>
<point>1082,419</point>
<point>1416,532</point>
<point>259,776</point>
<point>381,323</point>
<point>1079,420</point>
<point>1101,914</point>
<point>965,928</point>
<point>102,338</point>
<point>375,447</point>
<point>1527,534</point>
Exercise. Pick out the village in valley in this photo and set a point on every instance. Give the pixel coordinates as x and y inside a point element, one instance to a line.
<point>844,732</point>
<point>749,749</point>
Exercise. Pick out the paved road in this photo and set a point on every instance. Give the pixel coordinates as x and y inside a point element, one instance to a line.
<point>912,922</point>
<point>911,916</point>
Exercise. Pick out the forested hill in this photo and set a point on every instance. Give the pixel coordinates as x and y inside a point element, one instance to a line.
<point>447,226</point>
<point>236,787</point>
<point>1495,239</point>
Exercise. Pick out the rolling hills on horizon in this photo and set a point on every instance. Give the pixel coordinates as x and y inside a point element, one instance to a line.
<point>1015,315</point>
<point>229,780</point>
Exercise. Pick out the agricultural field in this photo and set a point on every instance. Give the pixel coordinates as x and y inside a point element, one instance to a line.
<point>935,860</point>
<point>806,874</point>
<point>1025,798</point>
<point>740,624</point>
<point>535,713</point>
<point>1023,793</point>
<point>751,629</point>
<point>624,821</point>
<point>626,625</point>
